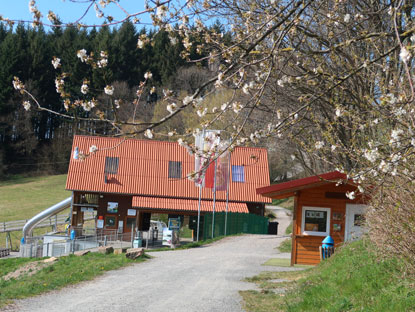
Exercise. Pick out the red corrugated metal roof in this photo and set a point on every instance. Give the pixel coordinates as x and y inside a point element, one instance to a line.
<point>294,185</point>
<point>143,170</point>
<point>186,205</point>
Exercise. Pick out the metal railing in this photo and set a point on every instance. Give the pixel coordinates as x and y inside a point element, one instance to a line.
<point>59,243</point>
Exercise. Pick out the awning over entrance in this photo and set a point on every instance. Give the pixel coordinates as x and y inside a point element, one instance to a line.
<point>186,205</point>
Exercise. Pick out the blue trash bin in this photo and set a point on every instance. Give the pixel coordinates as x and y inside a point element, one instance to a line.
<point>327,247</point>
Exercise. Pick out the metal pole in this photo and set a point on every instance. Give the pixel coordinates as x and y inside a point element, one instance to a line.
<point>214,200</point>
<point>200,186</point>
<point>227,191</point>
<point>132,235</point>
<point>198,211</point>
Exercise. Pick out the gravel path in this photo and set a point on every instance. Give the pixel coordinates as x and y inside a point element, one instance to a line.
<point>201,279</point>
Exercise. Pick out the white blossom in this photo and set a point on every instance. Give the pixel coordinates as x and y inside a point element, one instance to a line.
<point>84,88</point>
<point>395,136</point>
<point>171,108</point>
<point>339,112</point>
<point>148,75</point>
<point>140,44</point>
<point>93,149</point>
<point>32,7</point>
<point>201,112</point>
<point>371,155</point>
<point>351,195</point>
<point>26,105</point>
<point>347,18</point>
<point>237,107</point>
<point>224,106</point>
<point>404,55</point>
<point>173,40</point>
<point>56,62</point>
<point>117,103</point>
<point>109,90</point>
<point>148,133</point>
<point>170,133</point>
<point>81,54</point>
<point>245,89</point>
<point>319,145</point>
<point>17,84</point>
<point>161,11</point>
<point>187,100</point>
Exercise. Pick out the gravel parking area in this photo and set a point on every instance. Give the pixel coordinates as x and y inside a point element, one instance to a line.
<point>202,279</point>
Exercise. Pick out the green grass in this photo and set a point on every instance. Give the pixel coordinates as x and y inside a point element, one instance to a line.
<point>66,271</point>
<point>286,245</point>
<point>289,229</point>
<point>22,198</point>
<point>287,203</point>
<point>283,262</point>
<point>279,201</point>
<point>354,279</point>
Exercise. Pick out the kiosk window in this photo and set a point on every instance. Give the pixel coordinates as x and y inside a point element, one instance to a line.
<point>316,221</point>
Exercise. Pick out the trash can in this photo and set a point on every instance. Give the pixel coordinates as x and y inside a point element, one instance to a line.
<point>327,247</point>
<point>273,228</point>
<point>138,239</point>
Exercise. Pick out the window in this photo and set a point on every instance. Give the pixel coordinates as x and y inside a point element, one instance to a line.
<point>238,174</point>
<point>111,165</point>
<point>315,221</point>
<point>175,169</point>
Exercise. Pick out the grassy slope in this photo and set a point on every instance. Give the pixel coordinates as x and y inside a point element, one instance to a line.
<point>67,270</point>
<point>352,280</point>
<point>22,198</point>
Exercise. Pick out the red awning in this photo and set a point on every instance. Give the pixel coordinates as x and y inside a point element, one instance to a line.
<point>186,205</point>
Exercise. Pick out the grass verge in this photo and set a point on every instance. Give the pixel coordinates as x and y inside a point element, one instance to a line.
<point>66,271</point>
<point>354,279</point>
<point>286,245</point>
<point>283,262</point>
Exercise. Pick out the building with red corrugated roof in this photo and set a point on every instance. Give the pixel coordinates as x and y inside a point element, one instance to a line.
<point>128,179</point>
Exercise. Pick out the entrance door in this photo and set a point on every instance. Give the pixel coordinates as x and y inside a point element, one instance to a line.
<point>130,223</point>
<point>354,221</point>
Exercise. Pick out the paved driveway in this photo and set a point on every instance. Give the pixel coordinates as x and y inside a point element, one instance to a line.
<point>201,279</point>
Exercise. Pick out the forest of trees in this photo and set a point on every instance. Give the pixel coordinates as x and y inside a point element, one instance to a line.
<point>38,142</point>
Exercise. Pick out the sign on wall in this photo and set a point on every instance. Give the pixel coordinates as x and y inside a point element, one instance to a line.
<point>112,207</point>
<point>131,212</point>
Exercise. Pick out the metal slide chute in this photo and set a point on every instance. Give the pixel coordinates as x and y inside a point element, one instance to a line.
<point>51,211</point>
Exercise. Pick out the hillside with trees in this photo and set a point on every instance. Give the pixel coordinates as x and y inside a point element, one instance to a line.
<point>40,142</point>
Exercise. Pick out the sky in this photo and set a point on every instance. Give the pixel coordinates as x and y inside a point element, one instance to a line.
<point>68,10</point>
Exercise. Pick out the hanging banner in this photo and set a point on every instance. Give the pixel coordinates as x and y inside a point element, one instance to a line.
<point>206,143</point>
<point>222,172</point>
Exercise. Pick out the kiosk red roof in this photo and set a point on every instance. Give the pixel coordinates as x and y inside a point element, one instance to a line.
<point>287,189</point>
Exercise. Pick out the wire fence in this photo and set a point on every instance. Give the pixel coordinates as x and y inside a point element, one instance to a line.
<point>60,244</point>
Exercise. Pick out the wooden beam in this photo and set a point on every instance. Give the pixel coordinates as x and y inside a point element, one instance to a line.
<point>295,230</point>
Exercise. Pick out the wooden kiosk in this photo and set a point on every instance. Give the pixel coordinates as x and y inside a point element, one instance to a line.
<point>321,208</point>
